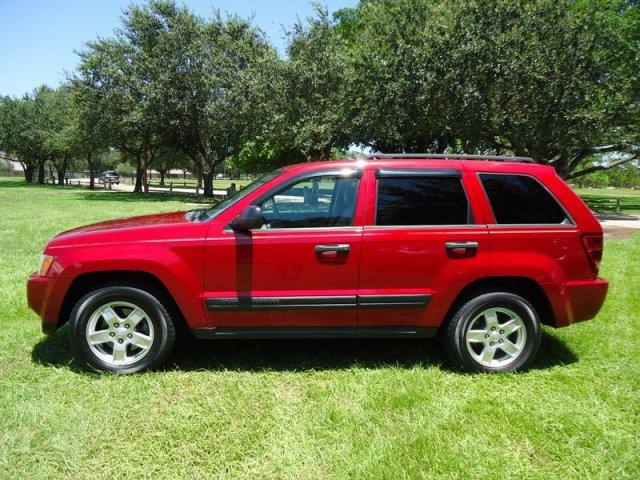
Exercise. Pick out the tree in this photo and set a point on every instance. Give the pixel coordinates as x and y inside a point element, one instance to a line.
<point>62,135</point>
<point>316,98</point>
<point>212,79</point>
<point>93,115</point>
<point>554,80</point>
<point>394,94</point>
<point>15,116</point>
<point>115,81</point>
<point>24,129</point>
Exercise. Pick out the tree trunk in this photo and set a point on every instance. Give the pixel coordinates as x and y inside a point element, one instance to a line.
<point>199,176</point>
<point>62,170</point>
<point>28,173</point>
<point>41,172</point>
<point>207,178</point>
<point>161,171</point>
<point>146,161</point>
<point>139,174</point>
<point>92,170</point>
<point>442,145</point>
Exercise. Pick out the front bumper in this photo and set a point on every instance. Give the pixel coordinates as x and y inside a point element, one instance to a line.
<point>45,296</point>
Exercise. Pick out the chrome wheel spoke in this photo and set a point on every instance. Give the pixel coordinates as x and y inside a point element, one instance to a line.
<point>134,317</point>
<point>510,348</point>
<point>109,315</point>
<point>476,336</point>
<point>119,352</point>
<point>487,354</point>
<point>491,317</point>
<point>510,326</point>
<point>140,340</point>
<point>100,336</point>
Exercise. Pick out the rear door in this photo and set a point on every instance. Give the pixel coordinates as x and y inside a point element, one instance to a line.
<point>421,245</point>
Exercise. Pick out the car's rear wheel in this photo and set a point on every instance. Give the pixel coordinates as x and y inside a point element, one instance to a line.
<point>493,332</point>
<point>121,329</point>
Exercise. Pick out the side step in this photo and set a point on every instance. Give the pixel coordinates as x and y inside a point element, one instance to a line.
<point>314,332</point>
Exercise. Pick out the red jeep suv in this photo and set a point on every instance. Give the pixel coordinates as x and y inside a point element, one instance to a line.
<point>478,250</point>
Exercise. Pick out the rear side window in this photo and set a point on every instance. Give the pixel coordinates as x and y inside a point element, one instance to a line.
<point>520,199</point>
<point>421,200</point>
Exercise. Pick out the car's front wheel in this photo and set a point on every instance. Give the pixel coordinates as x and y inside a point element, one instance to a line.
<point>121,329</point>
<point>493,332</point>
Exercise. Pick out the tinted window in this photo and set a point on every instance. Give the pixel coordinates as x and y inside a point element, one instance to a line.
<point>521,199</point>
<point>326,201</point>
<point>421,201</point>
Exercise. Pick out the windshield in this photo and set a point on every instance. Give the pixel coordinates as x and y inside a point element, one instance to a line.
<point>211,212</point>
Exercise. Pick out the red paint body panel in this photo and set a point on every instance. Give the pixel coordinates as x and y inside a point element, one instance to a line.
<point>200,260</point>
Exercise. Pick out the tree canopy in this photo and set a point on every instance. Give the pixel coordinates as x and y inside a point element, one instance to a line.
<point>556,80</point>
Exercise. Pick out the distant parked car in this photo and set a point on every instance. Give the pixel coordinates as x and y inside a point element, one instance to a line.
<point>104,177</point>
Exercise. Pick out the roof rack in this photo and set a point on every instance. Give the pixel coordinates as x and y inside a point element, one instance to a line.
<point>434,156</point>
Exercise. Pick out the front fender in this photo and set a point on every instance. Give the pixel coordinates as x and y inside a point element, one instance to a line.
<point>177,265</point>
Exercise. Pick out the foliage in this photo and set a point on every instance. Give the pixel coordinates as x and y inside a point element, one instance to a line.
<point>557,80</point>
<point>623,176</point>
<point>554,80</point>
<point>316,79</point>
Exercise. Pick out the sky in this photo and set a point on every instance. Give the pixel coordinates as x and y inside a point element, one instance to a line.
<point>38,37</point>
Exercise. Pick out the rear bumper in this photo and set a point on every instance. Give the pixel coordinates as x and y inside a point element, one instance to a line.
<point>45,296</point>
<point>578,301</point>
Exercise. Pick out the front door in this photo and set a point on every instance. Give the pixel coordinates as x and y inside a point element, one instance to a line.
<point>301,268</point>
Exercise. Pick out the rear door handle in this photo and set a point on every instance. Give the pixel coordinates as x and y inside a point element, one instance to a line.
<point>340,248</point>
<point>461,245</point>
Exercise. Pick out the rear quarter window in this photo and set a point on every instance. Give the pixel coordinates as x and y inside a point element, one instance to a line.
<point>521,199</point>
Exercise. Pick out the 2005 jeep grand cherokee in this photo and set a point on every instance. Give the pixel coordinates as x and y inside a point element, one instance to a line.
<point>478,250</point>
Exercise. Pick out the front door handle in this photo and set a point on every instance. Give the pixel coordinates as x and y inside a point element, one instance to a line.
<point>461,245</point>
<point>340,248</point>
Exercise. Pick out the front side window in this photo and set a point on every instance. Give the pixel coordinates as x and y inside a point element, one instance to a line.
<point>421,200</point>
<point>521,199</point>
<point>324,201</point>
<point>211,212</point>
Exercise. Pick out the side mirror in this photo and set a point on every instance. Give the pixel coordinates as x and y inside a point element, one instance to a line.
<point>249,219</point>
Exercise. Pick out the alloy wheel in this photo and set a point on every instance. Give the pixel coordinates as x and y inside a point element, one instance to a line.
<point>496,337</point>
<point>119,333</point>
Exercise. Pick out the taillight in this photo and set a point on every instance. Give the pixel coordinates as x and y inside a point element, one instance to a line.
<point>593,247</point>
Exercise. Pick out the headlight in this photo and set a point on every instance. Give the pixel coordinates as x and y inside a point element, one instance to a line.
<point>45,265</point>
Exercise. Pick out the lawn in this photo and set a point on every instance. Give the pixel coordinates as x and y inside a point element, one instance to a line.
<point>604,199</point>
<point>306,409</point>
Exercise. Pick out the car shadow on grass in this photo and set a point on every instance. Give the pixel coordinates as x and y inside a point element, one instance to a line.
<point>299,355</point>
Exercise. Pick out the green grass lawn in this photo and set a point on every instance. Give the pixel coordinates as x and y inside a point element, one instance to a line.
<point>604,199</point>
<point>364,409</point>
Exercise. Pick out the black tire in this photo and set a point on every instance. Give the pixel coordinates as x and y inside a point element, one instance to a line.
<point>163,339</point>
<point>454,334</point>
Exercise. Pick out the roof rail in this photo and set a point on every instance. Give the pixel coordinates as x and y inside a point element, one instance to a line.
<point>434,156</point>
